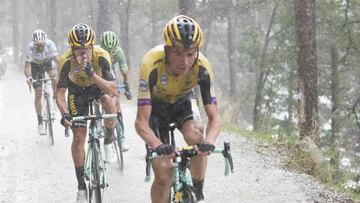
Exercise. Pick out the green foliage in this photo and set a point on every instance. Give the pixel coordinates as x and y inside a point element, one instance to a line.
<point>260,136</point>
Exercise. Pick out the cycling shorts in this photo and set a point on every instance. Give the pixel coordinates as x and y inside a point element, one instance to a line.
<point>78,101</point>
<point>163,114</point>
<point>38,70</point>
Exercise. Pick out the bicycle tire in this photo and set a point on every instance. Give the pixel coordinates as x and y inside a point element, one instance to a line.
<point>98,194</point>
<point>118,145</point>
<point>44,114</point>
<point>96,185</point>
<point>49,120</point>
<point>188,195</point>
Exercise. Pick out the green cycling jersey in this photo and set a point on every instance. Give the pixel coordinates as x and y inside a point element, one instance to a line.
<point>118,56</point>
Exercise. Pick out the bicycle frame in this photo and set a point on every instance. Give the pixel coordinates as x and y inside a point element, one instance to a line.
<point>181,176</point>
<point>94,167</point>
<point>46,102</point>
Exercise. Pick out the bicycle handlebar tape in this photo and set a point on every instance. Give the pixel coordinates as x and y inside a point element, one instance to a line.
<point>164,149</point>
<point>206,147</point>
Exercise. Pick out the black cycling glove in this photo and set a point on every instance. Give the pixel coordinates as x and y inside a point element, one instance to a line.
<point>65,116</point>
<point>128,94</point>
<point>164,149</point>
<point>205,147</point>
<point>89,70</point>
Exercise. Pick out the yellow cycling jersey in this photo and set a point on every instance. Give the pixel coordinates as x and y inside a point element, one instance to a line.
<point>157,83</point>
<point>69,69</point>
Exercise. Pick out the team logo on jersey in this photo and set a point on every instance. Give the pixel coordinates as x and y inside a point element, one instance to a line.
<point>164,80</point>
<point>77,69</point>
<point>143,86</point>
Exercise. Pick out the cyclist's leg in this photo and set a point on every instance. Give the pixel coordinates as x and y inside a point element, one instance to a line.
<point>52,72</point>
<point>78,106</point>
<point>36,73</point>
<point>162,167</point>
<point>192,130</point>
<point>108,103</point>
<point>160,188</point>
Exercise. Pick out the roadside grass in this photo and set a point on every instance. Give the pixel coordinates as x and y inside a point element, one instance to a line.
<point>300,160</point>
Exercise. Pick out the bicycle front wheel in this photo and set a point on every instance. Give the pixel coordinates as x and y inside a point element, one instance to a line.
<point>184,195</point>
<point>96,190</point>
<point>49,120</point>
<point>188,195</point>
<point>118,145</point>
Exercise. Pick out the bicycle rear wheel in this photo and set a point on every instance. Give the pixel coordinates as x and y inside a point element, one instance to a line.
<point>119,146</point>
<point>49,120</point>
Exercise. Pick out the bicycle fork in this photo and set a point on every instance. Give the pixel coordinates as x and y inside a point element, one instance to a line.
<point>94,150</point>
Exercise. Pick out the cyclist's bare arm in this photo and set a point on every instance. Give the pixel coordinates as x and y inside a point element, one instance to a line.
<point>56,59</point>
<point>213,125</point>
<point>60,100</point>
<point>142,126</point>
<point>125,74</point>
<point>27,69</point>
<point>106,86</point>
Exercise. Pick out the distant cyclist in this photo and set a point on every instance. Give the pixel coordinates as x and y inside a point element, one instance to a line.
<point>110,42</point>
<point>168,74</point>
<point>41,56</point>
<point>85,71</point>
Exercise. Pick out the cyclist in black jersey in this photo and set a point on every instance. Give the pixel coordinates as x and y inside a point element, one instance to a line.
<point>85,71</point>
<point>168,75</point>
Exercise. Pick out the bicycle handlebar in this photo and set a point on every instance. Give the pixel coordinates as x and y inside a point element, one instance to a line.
<point>95,117</point>
<point>188,151</point>
<point>121,87</point>
<point>43,80</point>
<point>90,117</point>
<point>227,156</point>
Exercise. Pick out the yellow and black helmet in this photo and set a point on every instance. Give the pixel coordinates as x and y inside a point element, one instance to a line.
<point>81,35</point>
<point>184,32</point>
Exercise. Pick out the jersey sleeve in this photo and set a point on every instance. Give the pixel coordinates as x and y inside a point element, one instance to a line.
<point>206,83</point>
<point>144,95</point>
<point>53,49</point>
<point>121,59</point>
<point>28,57</point>
<point>63,69</point>
<point>105,64</point>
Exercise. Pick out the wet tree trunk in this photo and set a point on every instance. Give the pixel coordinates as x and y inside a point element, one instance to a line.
<point>92,14</point>
<point>290,100</point>
<point>124,27</point>
<point>231,49</point>
<point>15,34</point>
<point>185,7</point>
<point>261,80</point>
<point>334,93</point>
<point>104,21</point>
<point>307,69</point>
<point>154,33</point>
<point>53,21</point>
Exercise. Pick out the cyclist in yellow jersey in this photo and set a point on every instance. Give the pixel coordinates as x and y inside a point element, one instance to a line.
<point>85,70</point>
<point>168,74</point>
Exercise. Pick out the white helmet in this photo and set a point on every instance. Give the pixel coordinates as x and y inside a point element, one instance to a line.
<point>39,37</point>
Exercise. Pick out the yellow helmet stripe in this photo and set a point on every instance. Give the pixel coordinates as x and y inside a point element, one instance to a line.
<point>176,31</point>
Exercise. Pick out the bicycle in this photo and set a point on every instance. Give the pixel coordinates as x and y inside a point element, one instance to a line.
<point>181,187</point>
<point>94,167</point>
<point>48,116</point>
<point>118,132</point>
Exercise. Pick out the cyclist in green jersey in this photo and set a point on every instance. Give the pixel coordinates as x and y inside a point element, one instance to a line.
<point>110,42</point>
